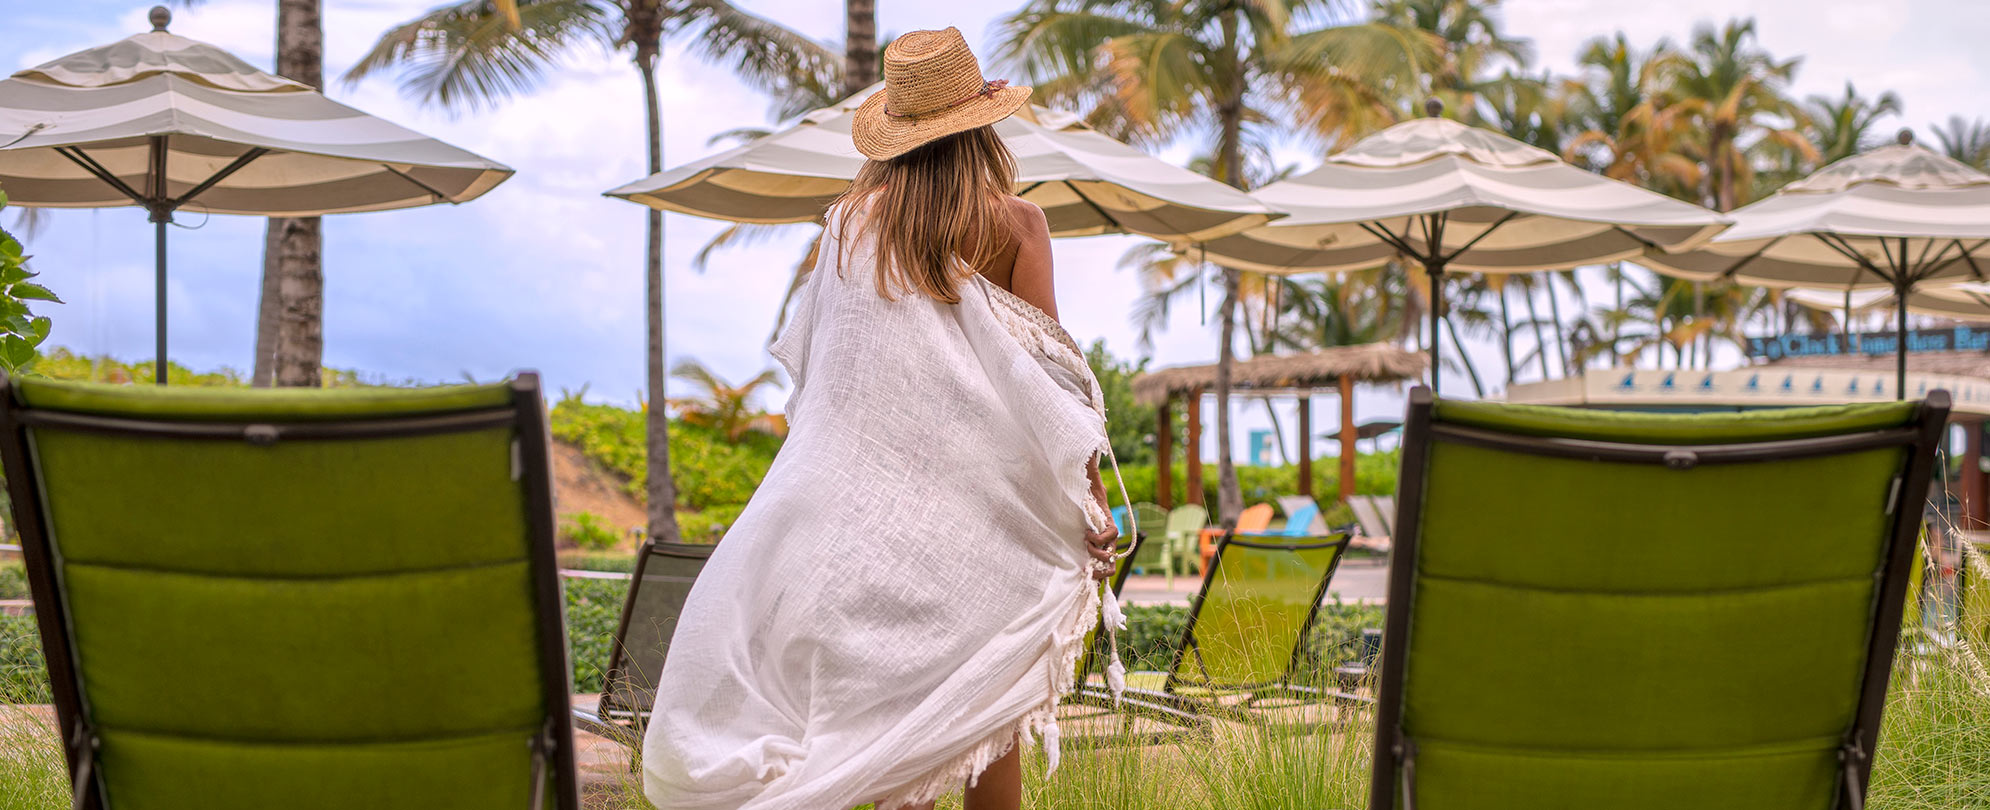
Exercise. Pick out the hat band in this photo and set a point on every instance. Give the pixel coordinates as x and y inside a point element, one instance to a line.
<point>988,89</point>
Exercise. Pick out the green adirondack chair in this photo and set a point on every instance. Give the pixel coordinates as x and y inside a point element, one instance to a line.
<point>1641,611</point>
<point>313,600</point>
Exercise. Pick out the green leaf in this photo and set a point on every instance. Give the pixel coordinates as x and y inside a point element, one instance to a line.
<point>19,325</point>
<point>27,291</point>
<point>15,353</point>
<point>13,273</point>
<point>39,328</point>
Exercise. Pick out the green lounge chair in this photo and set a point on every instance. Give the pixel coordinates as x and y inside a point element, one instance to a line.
<point>1093,660</point>
<point>662,579</point>
<point>298,599</point>
<point>1727,648</point>
<point>1153,521</point>
<point>1247,629</point>
<point>1184,536</point>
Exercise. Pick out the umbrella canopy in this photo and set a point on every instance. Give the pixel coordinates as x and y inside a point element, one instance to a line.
<point>1085,182</point>
<point>1896,217</point>
<point>1962,301</point>
<point>164,122</point>
<point>1456,198</point>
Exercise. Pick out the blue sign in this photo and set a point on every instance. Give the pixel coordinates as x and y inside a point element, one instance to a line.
<point>1952,339</point>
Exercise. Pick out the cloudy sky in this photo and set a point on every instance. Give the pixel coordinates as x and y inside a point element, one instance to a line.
<point>545,273</point>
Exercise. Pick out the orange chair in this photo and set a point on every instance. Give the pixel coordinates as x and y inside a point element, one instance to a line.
<point>1255,518</point>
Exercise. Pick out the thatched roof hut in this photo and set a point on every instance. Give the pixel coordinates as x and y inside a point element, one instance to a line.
<point>1324,369</point>
<point>1297,375</point>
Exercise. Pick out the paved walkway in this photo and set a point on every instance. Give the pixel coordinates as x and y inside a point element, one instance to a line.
<point>1364,580</point>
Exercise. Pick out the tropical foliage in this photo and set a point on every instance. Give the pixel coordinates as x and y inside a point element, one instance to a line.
<point>21,331</point>
<point>732,410</point>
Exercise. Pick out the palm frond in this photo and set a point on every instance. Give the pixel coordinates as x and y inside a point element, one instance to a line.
<point>467,56</point>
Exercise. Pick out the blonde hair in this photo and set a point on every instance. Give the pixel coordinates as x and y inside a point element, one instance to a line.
<point>943,201</point>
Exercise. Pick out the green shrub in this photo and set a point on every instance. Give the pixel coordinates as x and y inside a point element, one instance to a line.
<point>618,562</point>
<point>708,470</point>
<point>594,609</point>
<point>13,580</point>
<point>23,679</point>
<point>1374,474</point>
<point>590,531</point>
<point>709,524</point>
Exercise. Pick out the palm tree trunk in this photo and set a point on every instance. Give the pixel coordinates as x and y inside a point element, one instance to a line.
<point>1465,359</point>
<point>1506,334</point>
<point>860,45</point>
<point>1561,333</point>
<point>1540,340</point>
<point>659,490</point>
<point>290,325</point>
<point>1229,497</point>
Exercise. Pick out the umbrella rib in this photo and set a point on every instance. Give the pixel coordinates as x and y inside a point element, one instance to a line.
<point>219,176</point>
<point>424,186</point>
<point>1745,260</point>
<point>1643,241</point>
<point>77,156</point>
<point>1482,234</point>
<point>1110,222</point>
<point>1924,266</point>
<point>1388,237</point>
<point>1845,249</point>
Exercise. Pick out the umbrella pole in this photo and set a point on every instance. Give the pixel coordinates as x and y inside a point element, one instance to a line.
<point>1435,269</point>
<point>1900,338</point>
<point>159,297</point>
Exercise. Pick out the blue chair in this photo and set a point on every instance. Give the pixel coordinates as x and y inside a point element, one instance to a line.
<point>1298,523</point>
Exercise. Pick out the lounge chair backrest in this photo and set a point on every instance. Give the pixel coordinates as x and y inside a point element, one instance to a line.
<point>1385,511</point>
<point>1973,615</point>
<point>1249,623</point>
<point>298,599</point>
<point>1291,504</point>
<point>1187,519</point>
<point>1368,516</point>
<point>1643,611</point>
<point>1299,523</point>
<point>1254,518</point>
<point>1153,519</point>
<point>663,577</point>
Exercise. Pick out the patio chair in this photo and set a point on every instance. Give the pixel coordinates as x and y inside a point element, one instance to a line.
<point>1153,521</point>
<point>1247,630</point>
<point>1255,518</point>
<point>1184,532</point>
<point>1092,661</point>
<point>297,599</point>
<point>1373,519</point>
<point>1292,504</point>
<point>1728,648</point>
<point>662,579</point>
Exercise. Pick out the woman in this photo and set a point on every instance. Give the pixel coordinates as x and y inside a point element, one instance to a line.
<point>903,601</point>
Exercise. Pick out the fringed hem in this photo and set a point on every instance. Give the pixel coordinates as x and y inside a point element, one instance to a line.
<point>1038,722</point>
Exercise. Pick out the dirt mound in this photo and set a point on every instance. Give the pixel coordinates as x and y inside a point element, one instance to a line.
<point>580,485</point>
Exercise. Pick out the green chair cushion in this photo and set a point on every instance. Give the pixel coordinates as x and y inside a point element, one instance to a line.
<point>146,772</point>
<point>1675,428</point>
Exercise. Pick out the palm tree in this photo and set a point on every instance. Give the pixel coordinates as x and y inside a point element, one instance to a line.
<point>1732,91</point>
<point>476,53</point>
<point>1626,124</point>
<point>1967,141</point>
<point>732,410</point>
<point>1147,71</point>
<point>1843,127</point>
<point>1470,44</point>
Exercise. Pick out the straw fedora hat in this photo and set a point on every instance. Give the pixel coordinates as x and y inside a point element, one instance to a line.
<point>932,88</point>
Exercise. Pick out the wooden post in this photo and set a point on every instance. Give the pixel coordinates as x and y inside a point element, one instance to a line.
<point>1347,437</point>
<point>1305,445</point>
<point>1973,506</point>
<point>1164,451</point>
<point>1192,453</point>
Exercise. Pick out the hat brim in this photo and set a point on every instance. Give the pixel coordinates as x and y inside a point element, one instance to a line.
<point>883,137</point>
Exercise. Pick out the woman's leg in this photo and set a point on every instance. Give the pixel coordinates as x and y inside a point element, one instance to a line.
<point>1000,787</point>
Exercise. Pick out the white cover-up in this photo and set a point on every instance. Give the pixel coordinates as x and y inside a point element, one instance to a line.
<point>907,591</point>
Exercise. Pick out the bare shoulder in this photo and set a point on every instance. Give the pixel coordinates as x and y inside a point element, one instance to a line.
<point>1027,220</point>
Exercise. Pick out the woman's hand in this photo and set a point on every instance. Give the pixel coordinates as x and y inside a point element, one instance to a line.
<point>1100,544</point>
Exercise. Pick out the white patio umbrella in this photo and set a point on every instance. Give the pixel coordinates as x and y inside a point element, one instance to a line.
<point>1961,301</point>
<point>1896,217</point>
<point>164,122</point>
<point>1086,182</point>
<point>1456,198</point>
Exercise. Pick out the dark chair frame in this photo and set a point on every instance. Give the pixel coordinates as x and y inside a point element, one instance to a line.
<point>526,415</point>
<point>1395,753</point>
<point>1283,687</point>
<point>625,724</point>
<point>1192,726</point>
